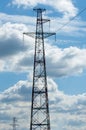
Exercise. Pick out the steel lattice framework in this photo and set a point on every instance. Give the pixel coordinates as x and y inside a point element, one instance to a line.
<point>40,119</point>
<point>14,123</point>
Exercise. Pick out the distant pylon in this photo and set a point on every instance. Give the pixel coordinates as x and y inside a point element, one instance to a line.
<point>40,119</point>
<point>14,124</point>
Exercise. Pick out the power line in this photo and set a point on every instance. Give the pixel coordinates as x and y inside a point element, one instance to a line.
<point>71,20</point>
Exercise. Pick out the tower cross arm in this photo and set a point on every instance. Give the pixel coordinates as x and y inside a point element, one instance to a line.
<point>39,34</point>
<point>31,34</point>
<point>43,20</point>
<point>47,34</point>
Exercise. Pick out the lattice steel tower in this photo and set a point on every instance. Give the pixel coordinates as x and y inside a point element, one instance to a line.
<point>40,119</point>
<point>14,123</point>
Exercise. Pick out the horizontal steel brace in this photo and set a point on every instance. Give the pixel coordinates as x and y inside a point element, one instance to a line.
<point>38,108</point>
<point>40,92</point>
<point>39,35</point>
<point>43,20</point>
<point>39,124</point>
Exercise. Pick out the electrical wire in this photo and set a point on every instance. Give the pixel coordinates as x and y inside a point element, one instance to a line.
<point>71,20</point>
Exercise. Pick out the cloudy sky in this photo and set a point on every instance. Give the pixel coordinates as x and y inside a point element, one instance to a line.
<point>65,61</point>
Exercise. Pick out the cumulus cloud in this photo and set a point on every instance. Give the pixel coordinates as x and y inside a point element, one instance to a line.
<point>16,56</point>
<point>12,44</point>
<point>64,62</point>
<point>18,92</point>
<point>64,6</point>
<point>21,19</point>
<point>16,101</point>
<point>10,39</point>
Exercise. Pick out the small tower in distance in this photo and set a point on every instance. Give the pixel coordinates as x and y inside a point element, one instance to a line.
<point>14,124</point>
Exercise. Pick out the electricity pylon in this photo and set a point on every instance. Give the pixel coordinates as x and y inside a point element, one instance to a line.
<point>14,124</point>
<point>40,119</point>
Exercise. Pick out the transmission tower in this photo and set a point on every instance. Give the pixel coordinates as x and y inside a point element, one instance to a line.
<point>14,123</point>
<point>40,119</point>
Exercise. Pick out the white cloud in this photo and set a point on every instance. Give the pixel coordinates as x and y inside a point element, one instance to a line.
<point>66,27</point>
<point>14,56</point>
<point>64,6</point>
<point>27,23</point>
<point>63,62</point>
<point>16,101</point>
<point>12,45</point>
<point>21,19</point>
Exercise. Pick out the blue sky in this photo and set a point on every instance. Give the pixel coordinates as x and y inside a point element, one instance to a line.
<point>65,61</point>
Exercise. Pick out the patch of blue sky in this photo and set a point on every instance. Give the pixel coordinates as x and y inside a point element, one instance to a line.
<point>72,85</point>
<point>81,5</point>
<point>8,79</point>
<point>8,8</point>
<point>67,41</point>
